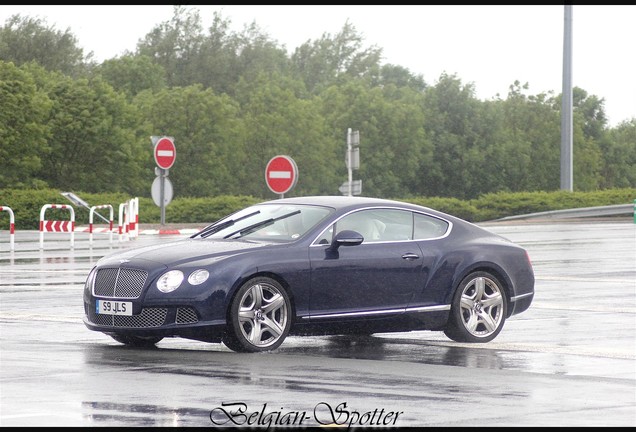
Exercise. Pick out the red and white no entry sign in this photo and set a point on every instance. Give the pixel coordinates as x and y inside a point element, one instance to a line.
<point>281,174</point>
<point>165,153</point>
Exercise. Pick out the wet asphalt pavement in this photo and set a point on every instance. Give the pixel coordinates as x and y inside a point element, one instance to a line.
<point>570,360</point>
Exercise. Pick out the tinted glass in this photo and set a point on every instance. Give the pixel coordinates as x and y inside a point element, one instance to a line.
<point>271,222</point>
<point>375,225</point>
<point>427,227</point>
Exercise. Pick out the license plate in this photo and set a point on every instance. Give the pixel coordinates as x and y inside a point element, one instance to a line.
<point>109,307</point>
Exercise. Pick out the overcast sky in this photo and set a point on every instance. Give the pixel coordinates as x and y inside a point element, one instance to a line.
<point>489,46</point>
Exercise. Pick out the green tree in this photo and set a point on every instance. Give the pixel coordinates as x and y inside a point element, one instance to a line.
<point>226,57</point>
<point>276,122</point>
<point>215,62</point>
<point>618,156</point>
<point>23,128</point>
<point>132,74</point>
<point>258,54</point>
<point>452,125</point>
<point>393,143</point>
<point>175,45</point>
<point>398,76</point>
<point>26,39</point>
<point>589,129</point>
<point>529,157</point>
<point>592,111</point>
<point>232,100</point>
<point>218,59</point>
<point>325,61</point>
<point>93,143</point>
<point>207,135</point>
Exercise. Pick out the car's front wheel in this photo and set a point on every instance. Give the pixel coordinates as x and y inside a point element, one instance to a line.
<point>259,317</point>
<point>136,341</point>
<point>479,308</point>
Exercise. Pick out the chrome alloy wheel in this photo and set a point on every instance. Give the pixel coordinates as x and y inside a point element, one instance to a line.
<point>482,306</point>
<point>263,314</point>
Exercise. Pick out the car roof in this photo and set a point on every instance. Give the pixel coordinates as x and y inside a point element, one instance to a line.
<point>344,202</point>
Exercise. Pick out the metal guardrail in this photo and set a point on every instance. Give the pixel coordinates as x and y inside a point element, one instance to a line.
<point>583,212</point>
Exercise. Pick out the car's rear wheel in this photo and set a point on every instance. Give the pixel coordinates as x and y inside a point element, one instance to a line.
<point>479,308</point>
<point>259,318</point>
<point>137,341</point>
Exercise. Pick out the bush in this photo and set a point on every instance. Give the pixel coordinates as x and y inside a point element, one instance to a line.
<point>27,204</point>
<point>499,205</point>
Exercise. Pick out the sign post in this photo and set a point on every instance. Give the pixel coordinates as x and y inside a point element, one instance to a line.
<point>352,160</point>
<point>353,188</point>
<point>165,154</point>
<point>281,174</point>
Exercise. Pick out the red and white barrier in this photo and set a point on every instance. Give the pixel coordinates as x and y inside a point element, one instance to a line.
<point>90,221</point>
<point>134,216</point>
<point>11,226</point>
<point>129,219</point>
<point>57,225</point>
<point>122,223</point>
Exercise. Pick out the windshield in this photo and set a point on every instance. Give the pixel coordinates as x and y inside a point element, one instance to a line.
<point>279,222</point>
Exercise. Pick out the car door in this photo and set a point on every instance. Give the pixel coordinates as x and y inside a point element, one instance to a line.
<point>378,276</point>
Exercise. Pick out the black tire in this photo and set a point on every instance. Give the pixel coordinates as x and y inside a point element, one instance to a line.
<point>259,317</point>
<point>479,309</point>
<point>136,341</point>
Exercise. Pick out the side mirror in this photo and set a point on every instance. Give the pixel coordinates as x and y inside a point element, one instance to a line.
<point>346,238</point>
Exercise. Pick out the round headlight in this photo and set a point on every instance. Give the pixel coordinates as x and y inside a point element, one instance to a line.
<point>197,277</point>
<point>170,281</point>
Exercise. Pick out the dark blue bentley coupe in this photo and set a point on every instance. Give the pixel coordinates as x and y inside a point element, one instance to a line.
<point>313,266</point>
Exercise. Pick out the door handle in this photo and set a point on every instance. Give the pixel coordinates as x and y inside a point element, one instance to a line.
<point>410,256</point>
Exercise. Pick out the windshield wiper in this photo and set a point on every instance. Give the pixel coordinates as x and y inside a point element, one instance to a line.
<point>214,228</point>
<point>261,224</point>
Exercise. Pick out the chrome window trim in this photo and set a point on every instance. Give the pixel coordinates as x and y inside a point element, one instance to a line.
<point>446,234</point>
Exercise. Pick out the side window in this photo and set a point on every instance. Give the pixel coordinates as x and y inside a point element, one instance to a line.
<point>379,225</point>
<point>363,222</point>
<point>398,224</point>
<point>325,237</point>
<point>427,227</point>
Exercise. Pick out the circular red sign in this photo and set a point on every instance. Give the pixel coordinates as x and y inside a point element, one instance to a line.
<point>281,174</point>
<point>165,153</point>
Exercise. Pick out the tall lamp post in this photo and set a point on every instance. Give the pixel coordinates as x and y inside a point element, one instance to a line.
<point>566,103</point>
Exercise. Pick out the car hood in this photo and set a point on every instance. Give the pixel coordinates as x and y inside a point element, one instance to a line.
<point>182,251</point>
